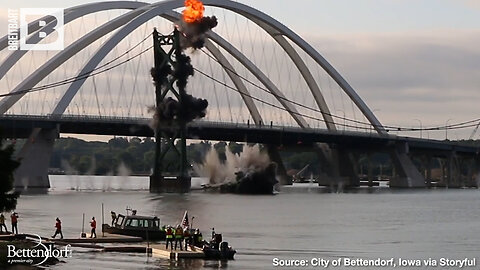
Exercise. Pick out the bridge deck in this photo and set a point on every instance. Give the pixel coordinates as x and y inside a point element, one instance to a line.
<point>19,126</point>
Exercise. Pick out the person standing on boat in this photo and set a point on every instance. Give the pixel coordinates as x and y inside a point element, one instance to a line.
<point>179,237</point>
<point>58,225</point>
<point>14,219</point>
<point>93,224</point>
<point>197,238</point>
<point>187,238</point>
<point>2,223</point>
<point>114,217</point>
<point>213,233</point>
<point>169,237</point>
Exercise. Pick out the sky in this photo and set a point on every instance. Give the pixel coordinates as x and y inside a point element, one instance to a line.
<point>412,61</point>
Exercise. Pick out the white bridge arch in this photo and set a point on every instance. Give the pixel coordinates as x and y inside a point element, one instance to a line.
<point>142,12</point>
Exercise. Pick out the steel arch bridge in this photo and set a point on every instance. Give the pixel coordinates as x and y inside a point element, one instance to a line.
<point>138,14</point>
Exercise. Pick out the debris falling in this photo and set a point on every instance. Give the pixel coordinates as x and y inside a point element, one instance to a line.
<point>170,109</point>
<point>250,172</point>
<point>193,29</point>
<point>194,34</point>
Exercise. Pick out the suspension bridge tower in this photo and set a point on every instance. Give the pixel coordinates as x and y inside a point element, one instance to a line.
<point>170,136</point>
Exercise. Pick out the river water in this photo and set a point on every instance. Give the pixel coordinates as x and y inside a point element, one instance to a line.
<point>302,222</point>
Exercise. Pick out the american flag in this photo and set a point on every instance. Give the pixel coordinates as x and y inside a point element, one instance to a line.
<point>185,220</point>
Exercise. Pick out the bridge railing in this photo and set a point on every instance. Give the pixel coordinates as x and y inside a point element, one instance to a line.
<point>146,121</point>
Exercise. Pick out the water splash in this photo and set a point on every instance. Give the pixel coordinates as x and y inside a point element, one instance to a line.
<point>71,173</point>
<point>123,172</point>
<point>250,160</point>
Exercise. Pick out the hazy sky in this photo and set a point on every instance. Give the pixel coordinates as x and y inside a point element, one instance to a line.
<point>408,59</point>
<point>345,15</point>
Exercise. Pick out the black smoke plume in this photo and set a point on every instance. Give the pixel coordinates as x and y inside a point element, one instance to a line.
<point>183,70</point>
<point>170,110</point>
<point>257,182</point>
<point>160,76</point>
<point>194,34</point>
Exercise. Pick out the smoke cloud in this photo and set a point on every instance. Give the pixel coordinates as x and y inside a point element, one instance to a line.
<point>249,172</point>
<point>194,34</point>
<point>170,109</point>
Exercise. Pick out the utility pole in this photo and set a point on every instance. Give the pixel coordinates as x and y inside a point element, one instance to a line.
<point>166,134</point>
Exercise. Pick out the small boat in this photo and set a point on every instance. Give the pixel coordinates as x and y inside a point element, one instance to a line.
<point>146,227</point>
<point>218,250</point>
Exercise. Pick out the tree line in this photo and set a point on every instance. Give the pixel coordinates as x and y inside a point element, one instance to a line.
<point>77,156</point>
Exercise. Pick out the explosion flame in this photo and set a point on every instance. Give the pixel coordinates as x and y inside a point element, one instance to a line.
<point>193,11</point>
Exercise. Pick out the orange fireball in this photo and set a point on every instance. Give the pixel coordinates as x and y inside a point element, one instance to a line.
<point>193,11</point>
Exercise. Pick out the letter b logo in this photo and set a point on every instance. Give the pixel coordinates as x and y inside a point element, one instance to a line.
<point>51,21</point>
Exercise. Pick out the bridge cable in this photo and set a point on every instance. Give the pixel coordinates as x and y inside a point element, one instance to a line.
<point>45,87</point>
<point>460,125</point>
<point>256,98</point>
<point>96,96</point>
<point>316,118</point>
<point>474,131</point>
<point>397,128</point>
<point>136,78</point>
<point>81,76</point>
<point>283,98</point>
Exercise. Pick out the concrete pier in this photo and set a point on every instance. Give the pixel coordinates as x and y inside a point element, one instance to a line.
<point>408,175</point>
<point>35,159</point>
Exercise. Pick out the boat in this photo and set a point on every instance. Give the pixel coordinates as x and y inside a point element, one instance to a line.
<point>217,249</point>
<point>146,227</point>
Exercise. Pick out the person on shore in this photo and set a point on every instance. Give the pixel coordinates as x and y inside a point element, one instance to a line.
<point>114,217</point>
<point>58,225</point>
<point>14,219</point>
<point>169,237</point>
<point>198,238</point>
<point>2,223</point>
<point>179,237</point>
<point>93,224</point>
<point>187,238</point>
<point>213,233</point>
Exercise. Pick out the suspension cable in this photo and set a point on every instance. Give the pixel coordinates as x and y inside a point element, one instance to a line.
<point>397,128</point>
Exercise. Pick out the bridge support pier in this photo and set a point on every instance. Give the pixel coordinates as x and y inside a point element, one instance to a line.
<point>476,173</point>
<point>282,175</point>
<point>470,163</point>
<point>369,170</point>
<point>348,167</point>
<point>339,167</point>
<point>450,170</point>
<point>473,172</point>
<point>174,184</point>
<point>454,171</point>
<point>428,167</point>
<point>408,175</point>
<point>35,160</point>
